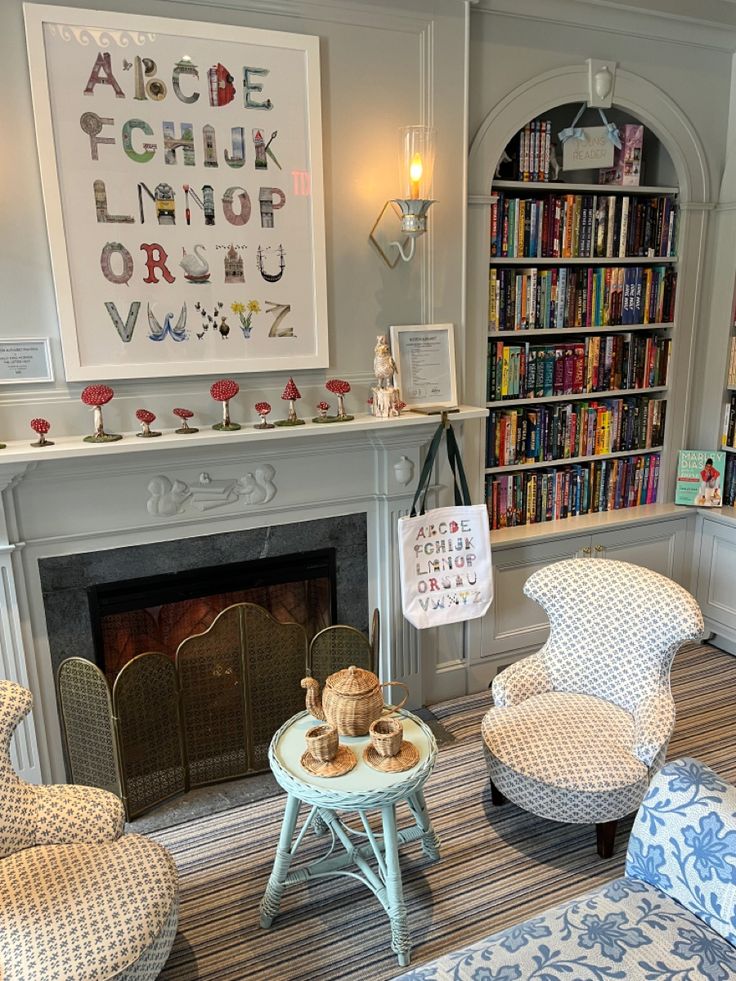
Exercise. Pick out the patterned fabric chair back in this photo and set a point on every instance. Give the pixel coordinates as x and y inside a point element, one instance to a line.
<point>684,843</point>
<point>614,627</point>
<point>17,805</point>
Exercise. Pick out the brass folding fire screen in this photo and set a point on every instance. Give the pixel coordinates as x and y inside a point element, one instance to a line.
<point>208,716</point>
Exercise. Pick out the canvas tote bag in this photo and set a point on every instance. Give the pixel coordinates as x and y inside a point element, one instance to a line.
<point>445,554</point>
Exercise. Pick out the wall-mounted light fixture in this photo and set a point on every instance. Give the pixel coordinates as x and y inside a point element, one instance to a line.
<point>416,163</point>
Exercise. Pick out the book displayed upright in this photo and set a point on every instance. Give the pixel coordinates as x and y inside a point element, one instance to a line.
<point>699,478</point>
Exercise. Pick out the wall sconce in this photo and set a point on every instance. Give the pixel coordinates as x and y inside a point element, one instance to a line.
<point>416,163</point>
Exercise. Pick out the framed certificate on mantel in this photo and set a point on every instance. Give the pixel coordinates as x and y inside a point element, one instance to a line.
<point>425,365</point>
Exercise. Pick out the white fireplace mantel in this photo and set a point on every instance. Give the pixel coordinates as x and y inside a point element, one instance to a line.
<point>76,497</point>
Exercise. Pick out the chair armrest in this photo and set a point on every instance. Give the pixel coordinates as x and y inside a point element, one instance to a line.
<point>68,814</point>
<point>654,720</point>
<point>521,680</point>
<point>684,842</point>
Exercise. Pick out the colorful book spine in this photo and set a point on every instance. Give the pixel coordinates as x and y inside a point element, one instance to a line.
<point>585,225</point>
<point>566,430</point>
<point>556,493</point>
<point>540,298</point>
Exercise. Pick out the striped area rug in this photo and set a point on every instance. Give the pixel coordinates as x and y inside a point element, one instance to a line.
<point>498,866</point>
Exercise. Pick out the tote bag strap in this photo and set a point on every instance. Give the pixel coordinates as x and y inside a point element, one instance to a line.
<point>460,481</point>
<point>462,492</point>
<point>425,478</point>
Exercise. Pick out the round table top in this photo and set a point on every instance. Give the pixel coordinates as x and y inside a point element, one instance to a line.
<point>360,787</point>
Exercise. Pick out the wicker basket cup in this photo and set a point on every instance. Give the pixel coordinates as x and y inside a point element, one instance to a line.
<point>322,742</point>
<point>386,736</point>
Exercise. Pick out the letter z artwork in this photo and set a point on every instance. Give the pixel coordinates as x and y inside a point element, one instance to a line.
<point>184,160</point>
<point>445,559</point>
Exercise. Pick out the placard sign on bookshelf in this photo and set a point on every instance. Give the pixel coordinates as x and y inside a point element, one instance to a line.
<point>577,424</point>
<point>591,150</point>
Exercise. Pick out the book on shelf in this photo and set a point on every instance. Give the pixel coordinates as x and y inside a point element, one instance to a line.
<point>627,159</point>
<point>731,382</point>
<point>573,296</point>
<point>699,478</point>
<point>728,435</point>
<point>565,430</point>
<point>568,226</point>
<point>596,363</point>
<point>571,490</point>
<point>729,482</point>
<point>535,141</point>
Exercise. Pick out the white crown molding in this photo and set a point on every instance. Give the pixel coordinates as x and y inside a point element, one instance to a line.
<point>351,12</point>
<point>609,17</point>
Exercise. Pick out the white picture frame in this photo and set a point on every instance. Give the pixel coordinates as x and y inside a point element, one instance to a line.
<point>25,361</point>
<point>424,355</point>
<point>266,201</point>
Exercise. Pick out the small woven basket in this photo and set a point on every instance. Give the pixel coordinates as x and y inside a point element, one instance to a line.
<point>386,736</point>
<point>322,742</point>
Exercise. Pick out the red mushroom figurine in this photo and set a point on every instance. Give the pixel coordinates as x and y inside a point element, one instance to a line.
<point>184,415</point>
<point>290,394</point>
<point>145,417</point>
<point>41,426</point>
<point>222,391</point>
<point>340,388</point>
<point>399,405</point>
<point>263,409</point>
<point>323,408</point>
<point>96,396</point>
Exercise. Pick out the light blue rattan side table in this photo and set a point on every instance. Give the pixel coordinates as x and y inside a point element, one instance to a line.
<point>369,856</point>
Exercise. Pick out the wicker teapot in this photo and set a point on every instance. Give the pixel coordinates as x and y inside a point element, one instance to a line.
<point>351,700</point>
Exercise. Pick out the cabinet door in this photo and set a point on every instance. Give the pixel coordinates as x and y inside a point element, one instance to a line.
<point>659,545</point>
<point>717,574</point>
<point>515,623</point>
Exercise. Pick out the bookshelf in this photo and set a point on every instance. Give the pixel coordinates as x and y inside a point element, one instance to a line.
<point>728,428</point>
<point>588,272</point>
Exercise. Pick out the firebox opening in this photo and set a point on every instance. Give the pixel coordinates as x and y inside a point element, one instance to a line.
<point>156,613</point>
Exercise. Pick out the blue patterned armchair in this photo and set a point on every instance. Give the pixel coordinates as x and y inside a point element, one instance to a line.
<point>672,917</point>
<point>577,729</point>
<point>79,900</point>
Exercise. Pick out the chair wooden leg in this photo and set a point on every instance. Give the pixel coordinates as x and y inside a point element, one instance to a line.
<point>606,833</point>
<point>497,798</point>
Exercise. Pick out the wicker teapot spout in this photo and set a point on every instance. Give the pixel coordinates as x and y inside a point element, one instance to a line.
<point>314,699</point>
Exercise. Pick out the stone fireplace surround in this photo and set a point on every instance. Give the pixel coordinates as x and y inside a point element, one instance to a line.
<point>74,498</point>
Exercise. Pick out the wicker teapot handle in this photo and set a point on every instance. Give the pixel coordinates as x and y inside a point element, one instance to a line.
<point>404,700</point>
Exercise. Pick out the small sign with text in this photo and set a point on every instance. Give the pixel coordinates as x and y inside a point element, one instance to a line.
<point>593,151</point>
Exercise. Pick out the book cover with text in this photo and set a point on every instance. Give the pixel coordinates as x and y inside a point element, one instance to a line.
<point>699,478</point>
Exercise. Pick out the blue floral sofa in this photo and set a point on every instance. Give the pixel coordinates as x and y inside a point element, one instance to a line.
<point>672,917</point>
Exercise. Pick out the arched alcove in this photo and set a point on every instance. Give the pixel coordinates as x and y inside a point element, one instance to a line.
<point>635,95</point>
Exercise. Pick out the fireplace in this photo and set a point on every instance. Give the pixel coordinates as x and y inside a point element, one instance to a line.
<point>177,678</point>
<point>157,613</point>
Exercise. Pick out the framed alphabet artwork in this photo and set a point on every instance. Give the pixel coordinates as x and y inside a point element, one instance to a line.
<point>181,166</point>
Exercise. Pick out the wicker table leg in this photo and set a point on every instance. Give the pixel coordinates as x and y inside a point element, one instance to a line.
<point>400,939</point>
<point>277,881</point>
<point>430,841</point>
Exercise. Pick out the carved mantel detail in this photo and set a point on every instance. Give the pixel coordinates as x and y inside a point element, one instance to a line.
<point>170,495</point>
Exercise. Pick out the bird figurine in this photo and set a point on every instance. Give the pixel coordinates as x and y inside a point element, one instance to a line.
<point>384,365</point>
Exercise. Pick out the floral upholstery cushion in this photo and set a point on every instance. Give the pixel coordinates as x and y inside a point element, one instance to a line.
<point>627,930</point>
<point>684,842</point>
<point>569,741</point>
<point>86,912</point>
